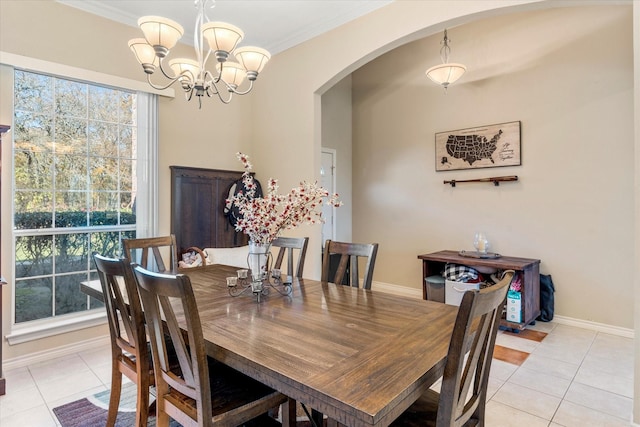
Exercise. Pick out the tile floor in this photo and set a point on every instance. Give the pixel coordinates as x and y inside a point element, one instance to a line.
<point>573,377</point>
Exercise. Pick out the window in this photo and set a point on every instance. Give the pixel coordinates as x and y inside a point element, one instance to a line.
<point>75,187</point>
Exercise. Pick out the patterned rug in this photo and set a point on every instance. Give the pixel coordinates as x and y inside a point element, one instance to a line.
<point>92,411</point>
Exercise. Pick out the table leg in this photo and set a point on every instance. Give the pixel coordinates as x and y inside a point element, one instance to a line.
<point>289,413</point>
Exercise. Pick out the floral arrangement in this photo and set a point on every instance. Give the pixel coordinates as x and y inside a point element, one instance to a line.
<point>263,218</point>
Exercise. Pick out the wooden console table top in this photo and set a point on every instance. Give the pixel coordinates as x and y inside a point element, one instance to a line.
<point>503,262</point>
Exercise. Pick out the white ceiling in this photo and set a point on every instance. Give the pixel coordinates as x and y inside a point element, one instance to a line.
<point>275,25</point>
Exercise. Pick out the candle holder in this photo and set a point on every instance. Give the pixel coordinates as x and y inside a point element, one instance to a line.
<point>481,243</point>
<point>259,284</point>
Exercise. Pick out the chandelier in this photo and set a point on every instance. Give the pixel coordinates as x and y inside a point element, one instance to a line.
<point>445,73</point>
<point>162,34</point>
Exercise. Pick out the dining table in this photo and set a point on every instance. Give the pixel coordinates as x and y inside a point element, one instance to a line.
<point>360,357</point>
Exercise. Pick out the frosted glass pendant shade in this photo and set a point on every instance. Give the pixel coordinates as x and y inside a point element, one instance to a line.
<point>445,74</point>
<point>160,31</point>
<point>144,52</point>
<point>222,36</point>
<point>232,73</point>
<point>252,58</point>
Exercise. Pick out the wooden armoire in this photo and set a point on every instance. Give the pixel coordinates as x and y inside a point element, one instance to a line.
<point>198,197</point>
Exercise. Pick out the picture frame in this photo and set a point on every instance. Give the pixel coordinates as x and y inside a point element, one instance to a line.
<point>487,146</point>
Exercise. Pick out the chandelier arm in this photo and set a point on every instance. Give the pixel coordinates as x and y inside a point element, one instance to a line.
<point>237,92</point>
<point>173,78</point>
<point>158,87</point>
<point>224,101</point>
<point>213,89</point>
<point>230,89</point>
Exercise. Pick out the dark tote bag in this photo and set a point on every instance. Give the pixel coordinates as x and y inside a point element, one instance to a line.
<point>546,298</point>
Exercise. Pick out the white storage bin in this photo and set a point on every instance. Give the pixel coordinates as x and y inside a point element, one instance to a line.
<point>453,291</point>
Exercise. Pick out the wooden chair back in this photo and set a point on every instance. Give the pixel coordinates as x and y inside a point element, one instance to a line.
<point>151,252</point>
<point>288,245</point>
<point>463,392</point>
<point>349,255</point>
<point>186,392</point>
<point>130,354</point>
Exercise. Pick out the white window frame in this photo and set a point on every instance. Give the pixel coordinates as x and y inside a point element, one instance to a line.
<point>146,219</point>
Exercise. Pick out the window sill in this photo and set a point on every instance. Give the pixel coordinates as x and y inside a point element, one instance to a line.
<point>25,334</point>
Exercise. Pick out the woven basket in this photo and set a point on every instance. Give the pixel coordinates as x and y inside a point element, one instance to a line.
<point>199,252</point>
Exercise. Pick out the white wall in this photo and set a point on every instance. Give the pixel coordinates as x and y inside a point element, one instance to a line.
<point>572,207</point>
<point>287,132</point>
<point>337,134</point>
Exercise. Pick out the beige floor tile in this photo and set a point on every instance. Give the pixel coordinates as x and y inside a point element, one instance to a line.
<point>574,332</point>
<point>501,370</point>
<point>104,373</point>
<point>97,356</point>
<point>72,383</point>
<point>614,343</point>
<point>561,351</point>
<point>620,366</point>
<point>544,383</point>
<point>19,401</point>
<point>500,415</point>
<point>602,380</point>
<point>58,368</point>
<point>572,415</point>
<point>600,400</point>
<point>493,386</point>
<point>549,366</point>
<point>18,379</point>
<point>34,417</point>
<point>547,327</point>
<point>516,343</point>
<point>527,400</point>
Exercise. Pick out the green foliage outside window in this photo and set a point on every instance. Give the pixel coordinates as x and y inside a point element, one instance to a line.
<point>74,176</point>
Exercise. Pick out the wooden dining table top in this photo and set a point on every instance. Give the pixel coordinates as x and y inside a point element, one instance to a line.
<point>359,356</point>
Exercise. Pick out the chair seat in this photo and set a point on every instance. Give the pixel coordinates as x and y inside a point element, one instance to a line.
<point>422,413</point>
<point>230,390</point>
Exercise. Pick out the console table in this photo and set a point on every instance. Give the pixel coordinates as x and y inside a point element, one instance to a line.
<point>433,264</point>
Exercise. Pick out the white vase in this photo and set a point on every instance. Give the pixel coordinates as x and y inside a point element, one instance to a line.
<point>258,260</point>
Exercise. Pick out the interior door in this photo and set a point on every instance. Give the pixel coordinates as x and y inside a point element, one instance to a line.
<point>328,181</point>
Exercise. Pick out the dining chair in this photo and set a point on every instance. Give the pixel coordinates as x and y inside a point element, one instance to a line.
<point>130,354</point>
<point>349,254</point>
<point>463,393</point>
<point>288,245</point>
<point>201,391</point>
<point>151,249</point>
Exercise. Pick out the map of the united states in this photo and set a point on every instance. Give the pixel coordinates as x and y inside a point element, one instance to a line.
<point>472,148</point>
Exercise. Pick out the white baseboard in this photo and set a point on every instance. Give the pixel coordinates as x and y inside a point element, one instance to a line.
<point>594,326</point>
<point>396,289</point>
<point>561,320</point>
<point>45,355</point>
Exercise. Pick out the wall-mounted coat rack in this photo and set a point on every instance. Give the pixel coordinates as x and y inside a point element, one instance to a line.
<point>496,180</point>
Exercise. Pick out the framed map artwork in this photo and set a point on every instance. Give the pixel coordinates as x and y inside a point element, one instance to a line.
<point>480,147</point>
